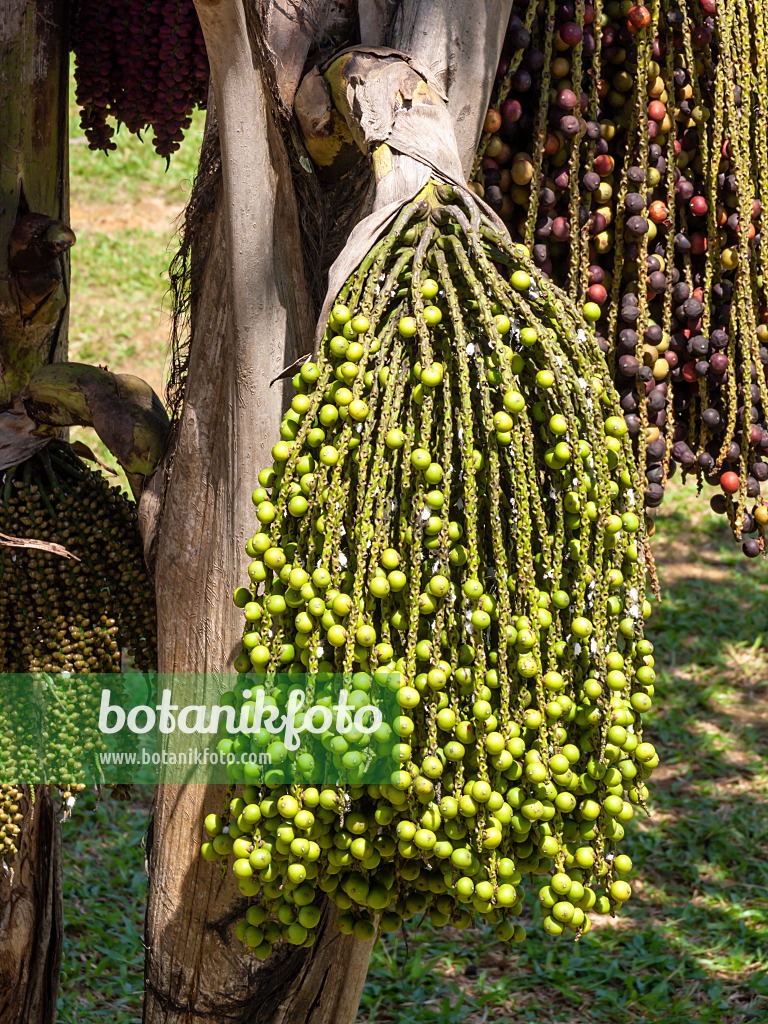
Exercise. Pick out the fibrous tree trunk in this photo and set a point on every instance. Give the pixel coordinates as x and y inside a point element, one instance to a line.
<point>34,193</point>
<point>31,917</point>
<point>252,317</point>
<point>34,285</point>
<point>460,43</point>
<point>251,309</point>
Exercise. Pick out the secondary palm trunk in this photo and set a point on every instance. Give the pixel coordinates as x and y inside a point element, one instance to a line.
<point>34,289</point>
<point>251,318</point>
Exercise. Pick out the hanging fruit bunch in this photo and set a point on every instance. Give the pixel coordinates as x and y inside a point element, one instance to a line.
<point>62,615</point>
<point>145,67</point>
<point>453,503</point>
<point>11,819</point>
<point>621,149</point>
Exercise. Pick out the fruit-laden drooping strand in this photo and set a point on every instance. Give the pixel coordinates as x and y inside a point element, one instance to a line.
<point>138,64</point>
<point>58,615</point>
<point>621,149</point>
<point>453,505</point>
<point>10,820</point>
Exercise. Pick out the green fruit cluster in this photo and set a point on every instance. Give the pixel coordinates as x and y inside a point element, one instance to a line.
<point>10,820</point>
<point>63,621</point>
<point>453,501</point>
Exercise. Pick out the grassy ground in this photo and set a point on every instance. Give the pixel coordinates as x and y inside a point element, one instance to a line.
<point>125,210</point>
<point>692,945</point>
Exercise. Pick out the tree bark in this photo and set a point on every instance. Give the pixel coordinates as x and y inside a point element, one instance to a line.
<point>31,929</point>
<point>460,42</point>
<point>34,288</point>
<point>288,33</point>
<point>375,18</point>
<point>252,317</point>
<point>34,168</point>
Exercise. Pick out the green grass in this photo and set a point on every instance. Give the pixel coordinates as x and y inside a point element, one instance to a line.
<point>104,895</point>
<point>117,300</point>
<point>125,208</point>
<point>691,946</point>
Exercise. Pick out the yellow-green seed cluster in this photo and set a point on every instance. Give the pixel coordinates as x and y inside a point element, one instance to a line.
<point>453,501</point>
<point>58,615</point>
<point>10,820</point>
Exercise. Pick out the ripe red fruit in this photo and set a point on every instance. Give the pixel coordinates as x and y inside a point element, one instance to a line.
<point>689,373</point>
<point>657,211</point>
<point>511,110</point>
<point>567,99</point>
<point>639,16</point>
<point>597,293</point>
<point>569,126</point>
<point>521,81</point>
<point>492,121</point>
<point>560,229</point>
<point>570,33</point>
<point>729,482</point>
<point>709,6</point>
<point>656,110</point>
<point>603,164</point>
<point>561,180</point>
<point>699,206</point>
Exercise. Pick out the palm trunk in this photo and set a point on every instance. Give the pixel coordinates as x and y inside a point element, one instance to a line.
<point>31,918</point>
<point>252,316</point>
<point>34,176</point>
<point>33,320</point>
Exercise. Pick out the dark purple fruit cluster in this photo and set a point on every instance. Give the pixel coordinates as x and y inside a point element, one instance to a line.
<point>618,147</point>
<point>139,64</point>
